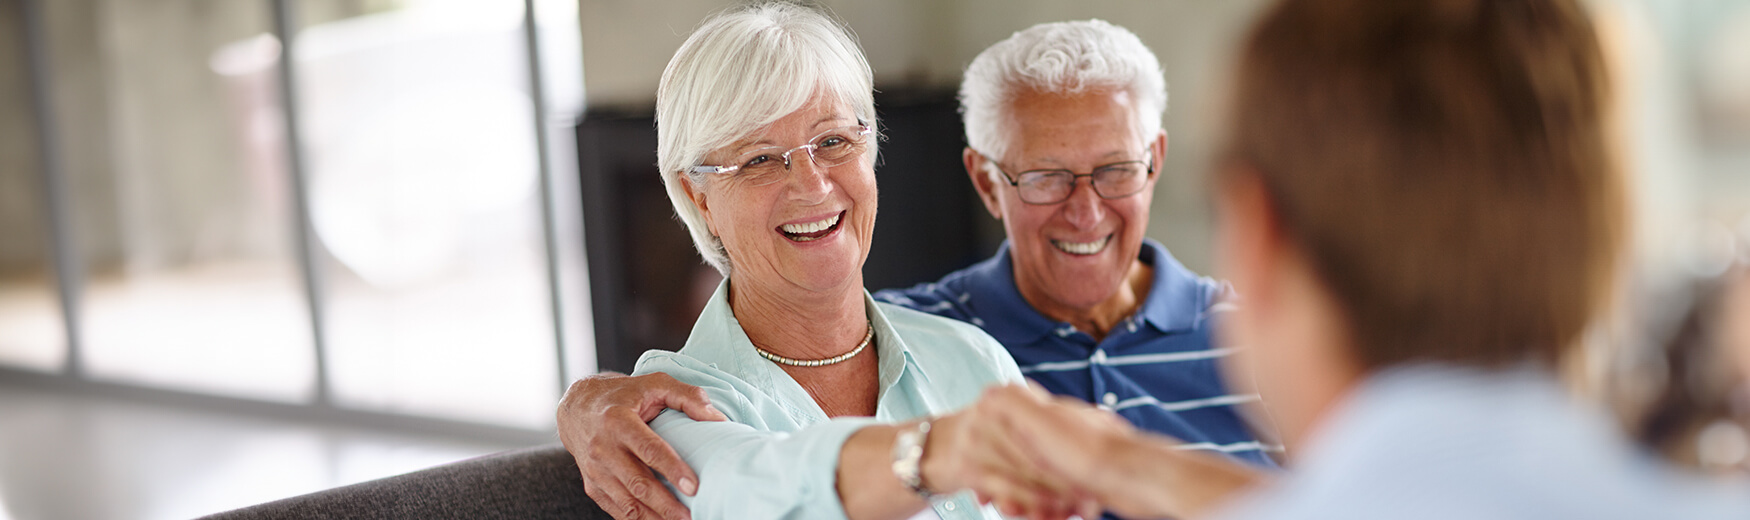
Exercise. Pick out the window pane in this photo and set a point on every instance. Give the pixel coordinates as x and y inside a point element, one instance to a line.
<point>424,194</point>
<point>180,199</point>
<point>31,331</point>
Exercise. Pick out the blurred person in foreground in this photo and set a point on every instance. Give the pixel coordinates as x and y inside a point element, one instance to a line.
<point>1064,125</point>
<point>766,144</point>
<point>1419,206</point>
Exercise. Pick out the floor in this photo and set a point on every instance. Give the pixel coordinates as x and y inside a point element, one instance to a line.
<point>83,455</point>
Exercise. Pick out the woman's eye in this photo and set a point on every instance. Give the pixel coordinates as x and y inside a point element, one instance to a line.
<point>831,142</point>
<point>756,161</point>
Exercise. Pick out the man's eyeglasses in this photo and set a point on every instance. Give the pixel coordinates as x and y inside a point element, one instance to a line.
<point>1051,186</point>
<point>771,164</point>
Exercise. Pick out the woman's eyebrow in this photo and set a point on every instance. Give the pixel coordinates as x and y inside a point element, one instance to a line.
<point>832,118</point>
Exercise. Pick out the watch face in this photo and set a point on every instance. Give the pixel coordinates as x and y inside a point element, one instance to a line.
<point>908,454</point>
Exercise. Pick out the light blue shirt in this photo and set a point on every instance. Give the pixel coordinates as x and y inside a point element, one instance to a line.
<point>778,455</point>
<point>1440,442</point>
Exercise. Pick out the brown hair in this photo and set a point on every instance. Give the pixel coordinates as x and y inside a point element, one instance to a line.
<point>1444,166</point>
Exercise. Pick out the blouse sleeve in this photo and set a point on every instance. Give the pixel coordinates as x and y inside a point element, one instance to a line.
<point>747,472</point>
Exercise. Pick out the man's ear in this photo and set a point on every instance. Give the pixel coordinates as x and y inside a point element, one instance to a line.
<point>981,181</point>
<point>1159,149</point>
<point>697,195</point>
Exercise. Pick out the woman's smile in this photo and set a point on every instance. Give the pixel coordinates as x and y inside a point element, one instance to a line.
<point>811,230</point>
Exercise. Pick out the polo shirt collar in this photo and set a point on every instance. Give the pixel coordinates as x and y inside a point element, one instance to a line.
<point>1006,315</point>
<point>1177,297</point>
<point>1175,301</point>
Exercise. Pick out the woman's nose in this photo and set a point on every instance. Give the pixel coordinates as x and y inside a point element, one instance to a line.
<point>808,180</point>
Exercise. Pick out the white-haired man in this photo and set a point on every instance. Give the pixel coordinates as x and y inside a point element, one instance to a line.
<point>1086,305</point>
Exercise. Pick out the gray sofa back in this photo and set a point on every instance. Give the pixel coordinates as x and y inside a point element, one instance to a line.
<point>540,482</point>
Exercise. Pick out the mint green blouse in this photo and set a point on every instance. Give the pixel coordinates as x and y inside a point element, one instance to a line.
<point>777,457</point>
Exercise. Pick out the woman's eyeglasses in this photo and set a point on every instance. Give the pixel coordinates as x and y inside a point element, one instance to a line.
<point>771,164</point>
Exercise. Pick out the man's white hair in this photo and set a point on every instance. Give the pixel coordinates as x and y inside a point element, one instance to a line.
<point>1060,58</point>
<point>741,71</point>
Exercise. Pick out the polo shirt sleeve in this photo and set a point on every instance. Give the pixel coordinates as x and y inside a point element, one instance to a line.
<point>746,472</point>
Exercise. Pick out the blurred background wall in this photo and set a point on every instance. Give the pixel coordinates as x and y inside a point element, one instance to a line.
<point>405,279</point>
<point>923,44</point>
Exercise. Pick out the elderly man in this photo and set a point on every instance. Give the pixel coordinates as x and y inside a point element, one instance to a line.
<point>1086,305</point>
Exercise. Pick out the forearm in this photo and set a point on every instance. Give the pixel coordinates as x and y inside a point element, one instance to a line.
<point>1149,476</point>
<point>866,484</point>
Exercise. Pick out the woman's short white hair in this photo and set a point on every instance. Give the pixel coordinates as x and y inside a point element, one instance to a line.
<point>1064,58</point>
<point>742,70</point>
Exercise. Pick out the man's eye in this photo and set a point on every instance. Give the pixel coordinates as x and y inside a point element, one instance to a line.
<point>1041,179</point>
<point>1119,170</point>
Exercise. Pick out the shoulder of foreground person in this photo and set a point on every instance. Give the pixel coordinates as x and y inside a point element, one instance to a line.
<point>1441,442</point>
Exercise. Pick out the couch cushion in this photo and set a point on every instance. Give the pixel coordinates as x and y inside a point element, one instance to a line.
<point>540,482</point>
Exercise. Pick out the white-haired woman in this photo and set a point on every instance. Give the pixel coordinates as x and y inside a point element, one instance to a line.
<point>766,132</point>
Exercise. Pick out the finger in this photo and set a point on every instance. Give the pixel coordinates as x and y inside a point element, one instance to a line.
<point>995,445</point>
<point>627,486</point>
<point>628,508</point>
<point>999,452</point>
<point>632,488</point>
<point>667,392</point>
<point>1059,440</point>
<point>1088,509</point>
<point>653,452</point>
<point>612,498</point>
<point>1011,497</point>
<point>650,494</point>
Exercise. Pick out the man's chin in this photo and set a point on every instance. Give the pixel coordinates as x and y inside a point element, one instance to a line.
<point>1083,292</point>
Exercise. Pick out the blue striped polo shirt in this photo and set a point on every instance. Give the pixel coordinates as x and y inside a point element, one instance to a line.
<point>1156,368</point>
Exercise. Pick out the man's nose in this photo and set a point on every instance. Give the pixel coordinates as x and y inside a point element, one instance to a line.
<point>1084,208</point>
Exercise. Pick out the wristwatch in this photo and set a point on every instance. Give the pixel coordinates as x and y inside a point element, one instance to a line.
<point>908,457</point>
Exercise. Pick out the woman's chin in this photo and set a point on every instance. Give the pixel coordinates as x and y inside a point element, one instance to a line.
<point>823,268</point>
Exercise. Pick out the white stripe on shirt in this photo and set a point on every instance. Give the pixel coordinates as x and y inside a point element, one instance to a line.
<point>1189,404</point>
<point>937,307</point>
<point>1229,448</point>
<point>1100,358</point>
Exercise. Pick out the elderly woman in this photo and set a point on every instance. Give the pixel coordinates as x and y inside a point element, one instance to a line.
<point>766,131</point>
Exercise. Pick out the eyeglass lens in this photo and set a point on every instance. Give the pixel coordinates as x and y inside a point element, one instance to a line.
<point>829,149</point>
<point>1110,181</point>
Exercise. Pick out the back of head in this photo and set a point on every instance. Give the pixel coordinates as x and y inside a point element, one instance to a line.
<point>740,71</point>
<point>1443,165</point>
<point>1061,58</point>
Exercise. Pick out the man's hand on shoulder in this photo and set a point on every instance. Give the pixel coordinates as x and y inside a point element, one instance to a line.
<point>602,421</point>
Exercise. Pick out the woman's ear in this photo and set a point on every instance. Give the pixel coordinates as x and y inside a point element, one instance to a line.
<point>696,193</point>
<point>981,181</point>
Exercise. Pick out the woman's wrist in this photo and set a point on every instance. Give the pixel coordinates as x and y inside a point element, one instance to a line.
<point>935,468</point>
<point>910,445</point>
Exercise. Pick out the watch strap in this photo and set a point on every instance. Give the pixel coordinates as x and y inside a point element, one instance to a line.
<point>908,456</point>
